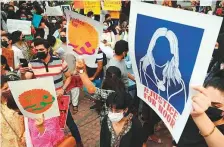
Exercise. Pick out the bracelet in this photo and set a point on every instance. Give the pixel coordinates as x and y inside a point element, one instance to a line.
<point>208,133</point>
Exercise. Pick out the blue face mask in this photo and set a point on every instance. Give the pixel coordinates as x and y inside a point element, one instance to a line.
<point>105,28</point>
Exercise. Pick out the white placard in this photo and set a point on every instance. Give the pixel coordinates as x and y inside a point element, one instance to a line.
<point>54,11</point>
<point>35,97</point>
<point>170,52</point>
<point>19,25</point>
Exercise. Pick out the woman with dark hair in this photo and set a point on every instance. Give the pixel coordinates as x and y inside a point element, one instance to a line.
<point>18,41</point>
<point>5,69</point>
<point>111,83</point>
<point>120,128</point>
<point>12,124</point>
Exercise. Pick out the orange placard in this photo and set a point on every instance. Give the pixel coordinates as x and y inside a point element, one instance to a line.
<point>114,14</point>
<point>36,100</point>
<point>9,55</point>
<point>78,4</point>
<point>83,37</point>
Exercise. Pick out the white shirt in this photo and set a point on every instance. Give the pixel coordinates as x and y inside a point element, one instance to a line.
<point>17,55</point>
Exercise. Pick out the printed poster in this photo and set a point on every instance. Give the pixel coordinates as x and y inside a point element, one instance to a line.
<point>38,98</point>
<point>24,26</point>
<point>93,6</point>
<point>87,36</point>
<point>63,104</point>
<point>112,5</point>
<point>170,56</point>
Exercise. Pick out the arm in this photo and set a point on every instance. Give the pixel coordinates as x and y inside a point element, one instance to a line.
<point>68,79</point>
<point>130,76</point>
<point>98,70</point>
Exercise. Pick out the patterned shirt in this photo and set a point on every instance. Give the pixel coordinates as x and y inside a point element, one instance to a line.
<point>55,67</point>
<point>102,94</point>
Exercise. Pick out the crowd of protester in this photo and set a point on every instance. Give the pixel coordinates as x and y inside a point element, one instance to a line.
<point>46,53</point>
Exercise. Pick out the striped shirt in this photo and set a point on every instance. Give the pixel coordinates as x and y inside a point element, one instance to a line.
<point>55,68</point>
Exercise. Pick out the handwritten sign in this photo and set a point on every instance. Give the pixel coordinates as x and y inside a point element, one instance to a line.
<point>54,11</point>
<point>22,25</point>
<point>9,55</point>
<point>87,38</point>
<point>63,104</point>
<point>93,6</point>
<point>36,20</point>
<point>112,5</point>
<point>36,99</point>
<point>165,64</point>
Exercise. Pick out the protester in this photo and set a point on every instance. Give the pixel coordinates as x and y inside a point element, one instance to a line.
<point>60,26</point>
<point>202,128</point>
<point>121,50</point>
<point>12,124</point>
<point>54,67</point>
<point>120,128</point>
<point>90,14</point>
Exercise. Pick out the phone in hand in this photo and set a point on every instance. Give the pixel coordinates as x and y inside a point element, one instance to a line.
<point>24,62</point>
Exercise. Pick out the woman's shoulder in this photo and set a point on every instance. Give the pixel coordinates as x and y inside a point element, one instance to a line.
<point>136,123</point>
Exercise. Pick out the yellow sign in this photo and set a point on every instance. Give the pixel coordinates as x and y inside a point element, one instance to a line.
<point>93,6</point>
<point>112,5</point>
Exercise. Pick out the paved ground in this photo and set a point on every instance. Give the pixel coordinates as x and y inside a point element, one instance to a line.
<point>89,126</point>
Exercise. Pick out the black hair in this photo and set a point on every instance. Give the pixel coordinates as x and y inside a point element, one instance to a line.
<point>43,42</point>
<point>7,35</point>
<point>51,40</point>
<point>63,30</point>
<point>120,47</point>
<point>39,32</point>
<point>107,15</point>
<point>113,80</point>
<point>4,79</point>
<point>119,100</point>
<point>4,62</point>
<point>16,36</point>
<point>11,104</point>
<point>217,81</point>
<point>90,13</point>
<point>11,15</point>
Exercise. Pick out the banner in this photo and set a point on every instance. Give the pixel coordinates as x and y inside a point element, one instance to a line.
<point>54,11</point>
<point>36,99</point>
<point>112,5</point>
<point>63,105</point>
<point>22,25</point>
<point>87,36</point>
<point>36,20</point>
<point>169,57</point>
<point>93,6</point>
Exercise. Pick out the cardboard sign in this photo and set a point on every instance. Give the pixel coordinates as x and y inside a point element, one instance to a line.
<point>9,55</point>
<point>63,105</point>
<point>87,39</point>
<point>36,20</point>
<point>114,14</point>
<point>93,6</point>
<point>165,64</point>
<point>54,11</point>
<point>65,7</point>
<point>112,5</point>
<point>78,4</point>
<point>37,98</point>
<point>22,25</point>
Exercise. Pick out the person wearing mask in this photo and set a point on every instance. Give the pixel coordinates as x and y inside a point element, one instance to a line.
<point>55,44</point>
<point>12,124</point>
<point>70,58</point>
<point>108,36</point>
<point>120,128</point>
<point>121,50</point>
<point>45,28</point>
<point>111,83</point>
<point>60,26</point>
<point>90,14</point>
<point>47,65</point>
<point>18,41</point>
<point>6,45</point>
<point>205,126</point>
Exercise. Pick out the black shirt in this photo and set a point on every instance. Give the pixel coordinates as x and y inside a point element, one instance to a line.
<point>133,138</point>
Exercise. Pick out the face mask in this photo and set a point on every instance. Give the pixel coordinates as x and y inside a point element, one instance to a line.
<point>41,55</point>
<point>115,117</point>
<point>23,38</point>
<point>23,18</point>
<point>53,21</point>
<point>214,113</point>
<point>33,11</point>
<point>63,39</point>
<point>105,28</point>
<point>93,17</point>
<point>5,44</point>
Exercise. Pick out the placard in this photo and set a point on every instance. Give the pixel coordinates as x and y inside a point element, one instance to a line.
<point>21,25</point>
<point>87,36</point>
<point>93,6</point>
<point>36,20</point>
<point>78,4</point>
<point>112,5</point>
<point>165,64</point>
<point>37,97</point>
<point>54,11</point>
<point>65,7</point>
